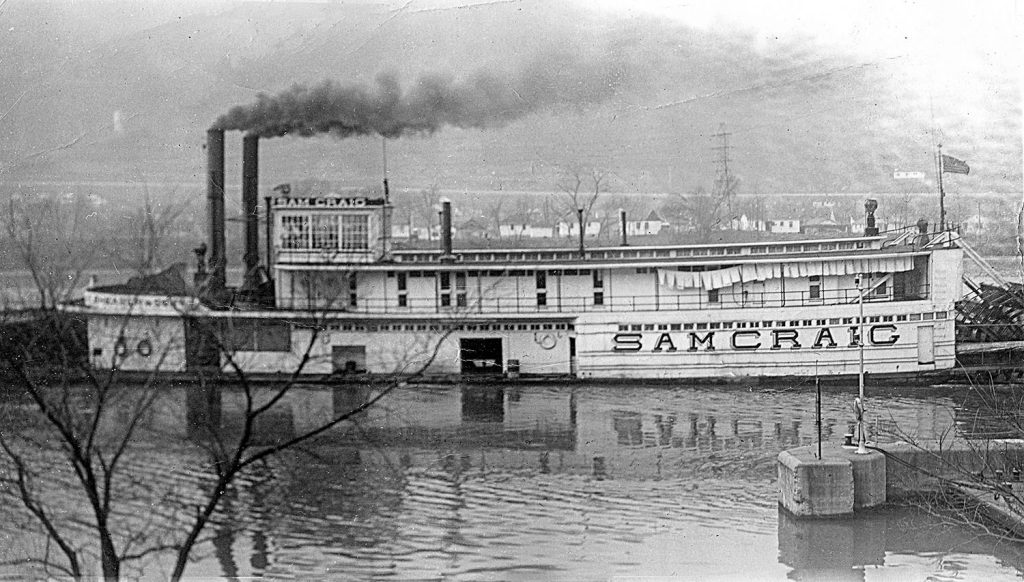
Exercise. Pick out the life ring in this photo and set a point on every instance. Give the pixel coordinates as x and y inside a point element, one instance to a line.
<point>121,347</point>
<point>145,348</point>
<point>547,341</point>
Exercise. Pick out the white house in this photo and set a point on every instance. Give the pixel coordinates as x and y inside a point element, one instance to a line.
<point>647,227</point>
<point>747,224</point>
<point>786,225</point>
<point>572,229</point>
<point>524,230</point>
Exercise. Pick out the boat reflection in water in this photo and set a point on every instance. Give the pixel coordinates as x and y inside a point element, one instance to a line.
<point>519,481</point>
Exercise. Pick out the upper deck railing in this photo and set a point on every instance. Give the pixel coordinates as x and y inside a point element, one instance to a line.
<point>532,304</point>
<point>705,252</point>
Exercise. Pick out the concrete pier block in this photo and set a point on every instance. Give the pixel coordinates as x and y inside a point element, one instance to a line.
<point>812,487</point>
<point>837,484</point>
<point>869,477</point>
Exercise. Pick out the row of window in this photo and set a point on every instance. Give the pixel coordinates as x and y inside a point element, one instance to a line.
<point>408,256</point>
<point>786,324</point>
<point>505,273</point>
<point>451,327</point>
<point>327,232</point>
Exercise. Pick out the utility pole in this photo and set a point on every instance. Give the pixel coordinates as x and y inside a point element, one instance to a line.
<point>723,181</point>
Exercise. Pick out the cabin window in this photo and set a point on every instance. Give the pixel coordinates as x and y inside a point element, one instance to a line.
<point>444,283</point>
<point>251,335</point>
<point>815,290</point>
<point>325,231</point>
<point>712,295</point>
<point>294,232</point>
<point>353,295</point>
<point>355,232</point>
<point>598,279</point>
<point>460,289</point>
<point>403,289</point>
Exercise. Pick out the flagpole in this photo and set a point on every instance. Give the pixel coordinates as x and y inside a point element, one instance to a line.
<point>942,196</point>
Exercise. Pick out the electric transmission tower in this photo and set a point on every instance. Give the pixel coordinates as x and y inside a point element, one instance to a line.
<point>725,183</point>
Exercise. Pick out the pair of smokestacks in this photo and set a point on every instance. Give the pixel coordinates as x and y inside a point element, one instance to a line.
<point>215,208</point>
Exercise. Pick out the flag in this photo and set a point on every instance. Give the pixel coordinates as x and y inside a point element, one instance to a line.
<point>951,165</point>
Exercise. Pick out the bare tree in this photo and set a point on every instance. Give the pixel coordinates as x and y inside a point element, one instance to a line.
<point>703,210</point>
<point>48,237</point>
<point>91,425</point>
<point>582,187</point>
<point>150,228</point>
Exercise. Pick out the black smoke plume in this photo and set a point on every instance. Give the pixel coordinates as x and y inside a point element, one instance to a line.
<point>388,109</point>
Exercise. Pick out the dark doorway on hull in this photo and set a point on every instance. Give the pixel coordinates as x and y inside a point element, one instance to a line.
<point>202,350</point>
<point>481,355</point>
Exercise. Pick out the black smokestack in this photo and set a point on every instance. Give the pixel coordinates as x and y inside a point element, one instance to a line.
<point>446,229</point>
<point>479,101</point>
<point>250,204</point>
<point>622,226</point>
<point>215,205</point>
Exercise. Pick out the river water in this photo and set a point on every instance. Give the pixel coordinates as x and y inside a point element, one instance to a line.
<point>542,482</point>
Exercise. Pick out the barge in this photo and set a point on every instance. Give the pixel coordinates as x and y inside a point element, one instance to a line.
<point>332,296</point>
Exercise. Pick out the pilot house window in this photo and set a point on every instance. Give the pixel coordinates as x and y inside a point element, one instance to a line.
<point>325,232</point>
<point>355,233</point>
<point>294,232</point>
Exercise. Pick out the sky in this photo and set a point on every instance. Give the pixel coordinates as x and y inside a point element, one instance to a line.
<point>938,40</point>
<point>950,55</point>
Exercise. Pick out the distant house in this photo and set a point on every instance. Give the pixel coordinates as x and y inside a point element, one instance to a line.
<point>401,231</point>
<point>523,226</point>
<point>857,225</point>
<point>746,224</point>
<point>824,226</point>
<point>649,226</point>
<point>789,225</point>
<point>572,229</point>
<point>412,232</point>
<point>474,228</point>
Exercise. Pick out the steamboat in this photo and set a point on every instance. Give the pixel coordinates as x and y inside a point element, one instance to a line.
<point>333,297</point>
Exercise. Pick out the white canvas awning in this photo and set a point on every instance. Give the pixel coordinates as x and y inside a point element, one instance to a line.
<point>720,278</point>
